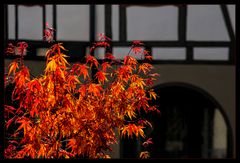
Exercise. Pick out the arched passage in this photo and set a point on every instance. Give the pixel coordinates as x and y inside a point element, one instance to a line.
<point>192,124</point>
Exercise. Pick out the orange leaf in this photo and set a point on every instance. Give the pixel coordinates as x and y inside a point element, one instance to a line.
<point>152,94</point>
<point>145,67</point>
<point>41,151</point>
<point>144,155</point>
<point>131,129</point>
<point>129,60</point>
<point>82,90</point>
<point>24,123</point>
<point>34,84</point>
<point>12,67</point>
<point>81,69</point>
<point>51,66</point>
<point>72,144</point>
<point>101,76</point>
<point>95,89</point>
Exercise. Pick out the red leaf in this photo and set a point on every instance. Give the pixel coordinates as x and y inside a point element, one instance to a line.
<point>10,49</point>
<point>101,44</point>
<point>48,33</point>
<point>101,76</point>
<point>81,69</point>
<point>109,56</point>
<point>137,50</point>
<point>128,60</point>
<point>103,37</point>
<point>9,109</point>
<point>137,43</point>
<point>105,65</point>
<point>92,60</point>
<point>148,57</point>
<point>147,142</point>
<point>22,48</point>
<point>9,122</point>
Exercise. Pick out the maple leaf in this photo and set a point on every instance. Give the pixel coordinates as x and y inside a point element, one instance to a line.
<point>116,88</point>
<point>105,65</point>
<point>131,113</point>
<point>154,108</point>
<point>109,56</point>
<point>103,37</point>
<point>95,89</point>
<point>82,90</point>
<point>33,112</point>
<point>131,129</point>
<point>60,73</point>
<point>137,43</point>
<point>29,149</point>
<point>22,48</point>
<point>145,52</point>
<point>101,76</point>
<point>72,144</point>
<point>81,69</point>
<point>139,82</point>
<point>51,66</point>
<point>9,109</point>
<point>145,67</point>
<point>148,57</point>
<point>137,50</point>
<point>25,72</point>
<point>103,156</point>
<point>34,84</point>
<point>154,74</point>
<point>144,155</point>
<point>48,33</point>
<point>42,151</point>
<point>147,142</point>
<point>57,48</point>
<point>10,49</point>
<point>20,79</point>
<point>101,44</point>
<point>124,70</point>
<point>84,71</point>
<point>24,123</point>
<point>62,60</point>
<point>129,60</point>
<point>152,94</point>
<point>13,67</point>
<point>92,60</point>
<point>10,121</point>
<point>144,122</point>
<point>72,79</point>
<point>149,81</point>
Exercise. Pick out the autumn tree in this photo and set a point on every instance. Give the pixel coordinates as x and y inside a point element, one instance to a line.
<point>68,113</point>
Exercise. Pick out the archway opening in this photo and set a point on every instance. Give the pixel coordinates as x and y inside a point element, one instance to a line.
<point>191,125</point>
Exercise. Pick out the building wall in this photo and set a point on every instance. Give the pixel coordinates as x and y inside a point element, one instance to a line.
<point>218,81</point>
